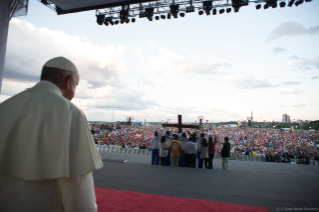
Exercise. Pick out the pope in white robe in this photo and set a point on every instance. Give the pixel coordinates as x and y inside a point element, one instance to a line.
<point>47,153</point>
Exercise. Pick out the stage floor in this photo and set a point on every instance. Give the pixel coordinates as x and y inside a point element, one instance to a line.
<point>271,185</point>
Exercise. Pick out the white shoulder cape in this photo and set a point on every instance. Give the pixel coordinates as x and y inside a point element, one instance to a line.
<point>45,136</point>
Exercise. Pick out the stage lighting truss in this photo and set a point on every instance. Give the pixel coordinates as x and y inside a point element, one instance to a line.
<point>162,10</point>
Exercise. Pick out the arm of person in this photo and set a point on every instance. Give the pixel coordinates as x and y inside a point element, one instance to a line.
<point>77,193</point>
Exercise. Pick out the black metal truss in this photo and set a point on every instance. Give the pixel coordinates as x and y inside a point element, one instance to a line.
<point>121,12</point>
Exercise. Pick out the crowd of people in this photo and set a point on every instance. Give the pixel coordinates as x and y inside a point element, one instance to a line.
<point>196,148</point>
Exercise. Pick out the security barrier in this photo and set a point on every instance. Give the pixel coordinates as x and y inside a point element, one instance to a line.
<point>104,148</point>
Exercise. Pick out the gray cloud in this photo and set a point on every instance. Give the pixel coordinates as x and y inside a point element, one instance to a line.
<point>99,66</point>
<point>122,99</point>
<point>290,83</point>
<point>315,77</point>
<point>278,50</point>
<point>301,105</point>
<point>304,64</point>
<point>249,81</point>
<point>291,28</point>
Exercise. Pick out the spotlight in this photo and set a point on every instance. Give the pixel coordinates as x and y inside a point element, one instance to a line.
<point>182,15</point>
<point>100,19</point>
<point>174,9</point>
<point>123,15</point>
<point>201,12</point>
<point>133,20</point>
<point>106,24</point>
<point>258,6</point>
<point>282,4</point>
<point>168,16</point>
<point>272,3</point>
<point>237,4</point>
<point>112,23</point>
<point>127,21</point>
<point>150,18</point>
<point>142,15</point>
<point>214,11</point>
<point>163,16</point>
<point>236,10</point>
<point>291,3</point>
<point>228,10</point>
<point>190,9</point>
<point>149,13</point>
<point>221,11</point>
<point>298,3</point>
<point>116,22</point>
<point>207,6</point>
<point>122,21</point>
<point>266,6</point>
<point>156,18</point>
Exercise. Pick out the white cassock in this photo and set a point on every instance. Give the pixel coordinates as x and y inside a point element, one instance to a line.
<point>47,153</point>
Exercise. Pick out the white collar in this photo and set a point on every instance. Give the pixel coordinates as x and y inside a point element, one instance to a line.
<point>50,86</point>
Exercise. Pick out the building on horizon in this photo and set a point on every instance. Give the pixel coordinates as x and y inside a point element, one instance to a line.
<point>285,118</point>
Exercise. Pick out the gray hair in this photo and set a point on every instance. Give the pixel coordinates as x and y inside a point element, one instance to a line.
<point>56,75</point>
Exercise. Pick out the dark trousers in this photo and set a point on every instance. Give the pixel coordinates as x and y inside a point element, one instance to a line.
<point>168,158</point>
<point>205,161</point>
<point>155,156</point>
<point>199,164</point>
<point>182,160</point>
<point>163,161</point>
<point>190,160</point>
<point>210,161</point>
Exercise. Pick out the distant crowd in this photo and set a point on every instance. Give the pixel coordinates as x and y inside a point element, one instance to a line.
<point>273,144</point>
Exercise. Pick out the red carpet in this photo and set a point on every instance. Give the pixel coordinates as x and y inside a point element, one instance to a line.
<point>109,200</point>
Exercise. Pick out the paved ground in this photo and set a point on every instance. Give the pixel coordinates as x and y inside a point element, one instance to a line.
<point>272,185</point>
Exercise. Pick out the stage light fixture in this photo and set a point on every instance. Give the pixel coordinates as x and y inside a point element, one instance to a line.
<point>106,24</point>
<point>238,3</point>
<point>228,10</point>
<point>221,11</point>
<point>112,23</point>
<point>207,6</point>
<point>127,21</point>
<point>122,21</point>
<point>123,15</point>
<point>282,4</point>
<point>133,20</point>
<point>174,9</point>
<point>163,16</point>
<point>142,15</point>
<point>190,9</point>
<point>298,3</point>
<point>258,6</point>
<point>214,11</point>
<point>271,3</point>
<point>157,18</point>
<point>168,16</point>
<point>201,12</point>
<point>100,19</point>
<point>291,3</point>
<point>116,22</point>
<point>266,6</point>
<point>182,15</point>
<point>149,13</point>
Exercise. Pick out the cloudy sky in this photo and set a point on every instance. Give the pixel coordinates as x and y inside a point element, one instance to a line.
<point>221,67</point>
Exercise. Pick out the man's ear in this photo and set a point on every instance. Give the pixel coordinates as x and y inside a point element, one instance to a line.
<point>69,80</point>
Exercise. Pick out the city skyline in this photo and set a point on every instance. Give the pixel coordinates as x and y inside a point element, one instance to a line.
<point>221,67</point>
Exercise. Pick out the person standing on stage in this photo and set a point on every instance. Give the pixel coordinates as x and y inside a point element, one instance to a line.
<point>211,151</point>
<point>47,153</point>
<point>163,152</point>
<point>204,153</point>
<point>190,153</point>
<point>225,154</point>
<point>155,148</point>
<point>176,150</point>
<point>183,140</point>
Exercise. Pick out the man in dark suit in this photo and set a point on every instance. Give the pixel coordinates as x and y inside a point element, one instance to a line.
<point>225,153</point>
